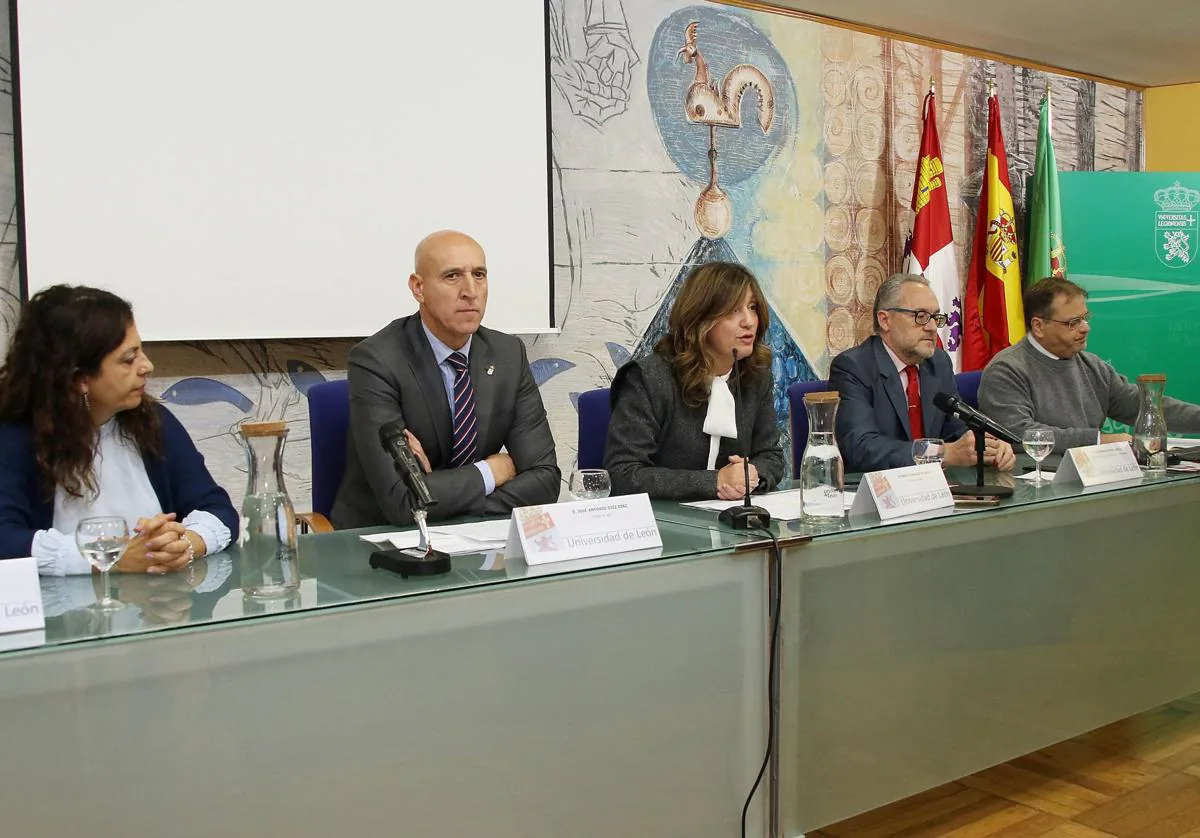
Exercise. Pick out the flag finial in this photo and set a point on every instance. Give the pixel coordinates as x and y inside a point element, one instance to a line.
<point>991,88</point>
<point>931,88</point>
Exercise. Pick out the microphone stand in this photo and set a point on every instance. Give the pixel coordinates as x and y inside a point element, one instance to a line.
<point>747,516</point>
<point>421,560</point>
<point>980,488</point>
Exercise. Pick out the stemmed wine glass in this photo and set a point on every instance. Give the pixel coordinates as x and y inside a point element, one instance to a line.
<point>101,541</point>
<point>928,450</point>
<point>1038,443</point>
<point>590,484</point>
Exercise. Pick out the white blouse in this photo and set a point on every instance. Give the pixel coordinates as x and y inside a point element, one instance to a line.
<point>721,419</point>
<point>123,491</point>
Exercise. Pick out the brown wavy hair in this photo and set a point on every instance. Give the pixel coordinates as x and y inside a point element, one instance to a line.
<point>711,292</point>
<point>63,335</point>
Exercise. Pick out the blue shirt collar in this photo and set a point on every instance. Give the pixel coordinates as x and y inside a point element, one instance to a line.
<point>440,351</point>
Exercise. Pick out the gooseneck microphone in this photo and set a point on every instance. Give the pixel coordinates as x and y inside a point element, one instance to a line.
<point>981,425</point>
<point>973,419</point>
<point>747,516</point>
<point>395,443</point>
<point>421,560</point>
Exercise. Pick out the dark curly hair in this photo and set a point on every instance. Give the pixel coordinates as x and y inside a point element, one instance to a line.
<point>711,292</point>
<point>63,335</point>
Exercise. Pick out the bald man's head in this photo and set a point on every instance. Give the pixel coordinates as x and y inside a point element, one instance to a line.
<point>435,243</point>
<point>449,282</point>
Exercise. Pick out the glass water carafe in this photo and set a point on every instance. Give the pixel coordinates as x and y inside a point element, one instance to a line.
<point>1150,429</point>
<point>822,478</point>
<point>269,564</point>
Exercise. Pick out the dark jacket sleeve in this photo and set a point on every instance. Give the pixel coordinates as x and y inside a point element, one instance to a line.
<point>191,486</point>
<point>765,451</point>
<point>863,445</point>
<point>641,417</point>
<point>531,446</point>
<point>374,401</point>
<point>21,512</point>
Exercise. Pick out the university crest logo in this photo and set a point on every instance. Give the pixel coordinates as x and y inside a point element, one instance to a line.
<point>1176,232</point>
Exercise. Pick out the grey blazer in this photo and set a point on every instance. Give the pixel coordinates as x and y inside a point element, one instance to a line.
<point>393,375</point>
<point>656,442</point>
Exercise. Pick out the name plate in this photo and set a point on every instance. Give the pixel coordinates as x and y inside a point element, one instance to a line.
<point>20,596</point>
<point>899,492</point>
<point>1094,465</point>
<point>578,529</point>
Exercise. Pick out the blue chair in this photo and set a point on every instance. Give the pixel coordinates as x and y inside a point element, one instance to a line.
<point>594,413</point>
<point>967,384</point>
<point>799,417</point>
<point>328,422</point>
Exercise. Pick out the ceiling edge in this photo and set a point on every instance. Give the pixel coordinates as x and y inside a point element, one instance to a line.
<point>758,6</point>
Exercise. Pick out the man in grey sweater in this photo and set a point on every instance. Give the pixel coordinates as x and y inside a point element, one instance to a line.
<point>1048,379</point>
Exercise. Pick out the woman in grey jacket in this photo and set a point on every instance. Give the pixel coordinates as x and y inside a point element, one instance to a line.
<point>677,432</point>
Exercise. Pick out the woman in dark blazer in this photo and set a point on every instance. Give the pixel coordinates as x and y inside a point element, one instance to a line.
<point>79,437</point>
<point>677,432</point>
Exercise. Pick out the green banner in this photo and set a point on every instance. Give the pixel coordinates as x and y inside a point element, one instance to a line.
<point>1133,241</point>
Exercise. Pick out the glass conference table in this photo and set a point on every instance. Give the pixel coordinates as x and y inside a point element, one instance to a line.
<point>914,653</point>
<point>597,699</point>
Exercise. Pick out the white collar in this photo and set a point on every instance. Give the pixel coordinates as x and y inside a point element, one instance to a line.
<point>1041,348</point>
<point>900,365</point>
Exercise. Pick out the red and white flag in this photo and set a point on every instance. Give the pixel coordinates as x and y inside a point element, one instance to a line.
<point>932,253</point>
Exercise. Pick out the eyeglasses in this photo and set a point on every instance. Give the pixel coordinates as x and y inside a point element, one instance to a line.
<point>922,316</point>
<point>1074,323</point>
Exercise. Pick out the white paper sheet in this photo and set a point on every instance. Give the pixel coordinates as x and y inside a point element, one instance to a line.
<point>783,506</point>
<point>455,539</point>
<point>479,531</point>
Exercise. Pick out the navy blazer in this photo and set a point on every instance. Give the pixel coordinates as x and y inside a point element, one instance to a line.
<point>872,422</point>
<point>179,477</point>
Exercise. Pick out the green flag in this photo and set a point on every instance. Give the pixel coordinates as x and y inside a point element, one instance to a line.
<point>1046,253</point>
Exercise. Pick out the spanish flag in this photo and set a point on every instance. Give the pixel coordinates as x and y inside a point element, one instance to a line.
<point>932,254</point>
<point>993,316</point>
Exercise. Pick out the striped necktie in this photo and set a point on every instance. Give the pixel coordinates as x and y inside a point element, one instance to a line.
<point>465,426</point>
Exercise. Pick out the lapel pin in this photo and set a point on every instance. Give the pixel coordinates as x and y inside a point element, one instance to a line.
<point>491,369</point>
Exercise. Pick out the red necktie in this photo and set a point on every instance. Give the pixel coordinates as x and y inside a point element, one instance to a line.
<point>913,391</point>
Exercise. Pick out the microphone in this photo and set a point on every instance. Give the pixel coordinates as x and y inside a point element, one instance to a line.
<point>973,419</point>
<point>981,425</point>
<point>395,443</point>
<point>421,560</point>
<point>747,516</point>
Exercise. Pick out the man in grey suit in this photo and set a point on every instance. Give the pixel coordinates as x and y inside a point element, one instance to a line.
<point>464,392</point>
<point>887,384</point>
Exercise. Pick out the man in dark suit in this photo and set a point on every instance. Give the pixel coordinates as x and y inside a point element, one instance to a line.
<point>465,392</point>
<point>887,384</point>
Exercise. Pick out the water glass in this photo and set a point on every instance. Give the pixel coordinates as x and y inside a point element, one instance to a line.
<point>928,450</point>
<point>590,484</point>
<point>1038,443</point>
<point>102,541</point>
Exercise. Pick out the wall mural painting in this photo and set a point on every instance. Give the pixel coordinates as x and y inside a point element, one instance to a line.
<point>684,133</point>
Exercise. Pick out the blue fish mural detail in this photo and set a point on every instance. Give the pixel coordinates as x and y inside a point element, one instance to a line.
<point>619,354</point>
<point>194,391</point>
<point>544,369</point>
<point>574,397</point>
<point>303,375</point>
